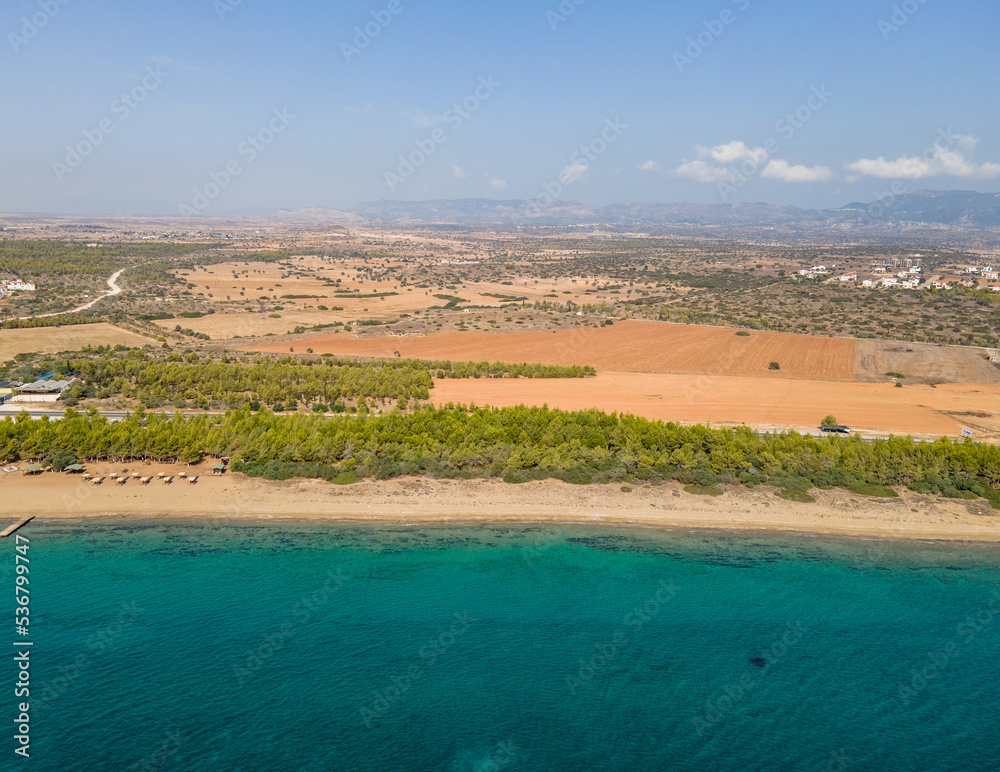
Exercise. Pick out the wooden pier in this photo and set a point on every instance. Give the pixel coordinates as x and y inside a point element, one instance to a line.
<point>14,526</point>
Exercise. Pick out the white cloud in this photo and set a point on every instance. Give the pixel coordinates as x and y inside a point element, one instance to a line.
<point>966,142</point>
<point>784,171</point>
<point>458,173</point>
<point>937,162</point>
<point>498,184</point>
<point>573,173</point>
<point>728,155</point>
<point>703,172</point>
<point>420,119</point>
<point>737,161</point>
<point>649,166</point>
<point>732,152</point>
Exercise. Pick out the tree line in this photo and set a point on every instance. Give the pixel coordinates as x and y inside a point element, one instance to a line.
<point>50,321</point>
<point>326,383</point>
<point>33,257</point>
<point>516,444</point>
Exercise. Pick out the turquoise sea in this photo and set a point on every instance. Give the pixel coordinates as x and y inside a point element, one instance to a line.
<point>161,646</point>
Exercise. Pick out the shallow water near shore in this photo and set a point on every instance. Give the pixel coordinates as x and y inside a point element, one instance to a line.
<point>315,647</point>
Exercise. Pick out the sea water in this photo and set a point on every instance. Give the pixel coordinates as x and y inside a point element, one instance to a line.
<point>214,646</point>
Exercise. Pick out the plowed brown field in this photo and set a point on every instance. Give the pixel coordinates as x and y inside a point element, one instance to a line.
<point>759,402</point>
<point>629,345</point>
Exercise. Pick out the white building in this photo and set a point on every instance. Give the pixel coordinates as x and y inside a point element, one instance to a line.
<point>17,284</point>
<point>42,391</point>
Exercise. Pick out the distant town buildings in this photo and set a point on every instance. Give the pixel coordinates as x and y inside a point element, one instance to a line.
<point>15,285</point>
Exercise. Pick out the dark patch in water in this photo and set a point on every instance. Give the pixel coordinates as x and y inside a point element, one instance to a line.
<point>758,661</point>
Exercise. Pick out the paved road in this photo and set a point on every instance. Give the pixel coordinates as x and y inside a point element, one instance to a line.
<point>113,289</point>
<point>114,416</point>
<point>13,410</point>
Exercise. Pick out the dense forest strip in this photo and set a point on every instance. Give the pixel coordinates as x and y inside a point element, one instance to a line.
<point>31,258</point>
<point>325,383</point>
<point>515,444</point>
<point>49,321</point>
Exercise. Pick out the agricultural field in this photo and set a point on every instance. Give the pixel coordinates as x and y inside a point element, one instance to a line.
<point>764,403</point>
<point>629,346</point>
<point>875,360</point>
<point>685,310</point>
<point>50,340</point>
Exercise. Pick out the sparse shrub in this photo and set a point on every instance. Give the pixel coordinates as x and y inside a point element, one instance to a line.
<point>704,490</point>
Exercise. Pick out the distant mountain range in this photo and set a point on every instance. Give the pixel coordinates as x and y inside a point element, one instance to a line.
<point>925,207</point>
<point>483,211</point>
<point>942,207</point>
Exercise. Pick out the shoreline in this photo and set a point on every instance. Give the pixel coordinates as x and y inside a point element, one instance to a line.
<point>688,528</point>
<point>419,501</point>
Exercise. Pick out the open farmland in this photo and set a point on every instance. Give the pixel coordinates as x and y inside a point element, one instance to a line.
<point>923,362</point>
<point>631,346</point>
<point>769,403</point>
<point>309,291</point>
<point>50,340</point>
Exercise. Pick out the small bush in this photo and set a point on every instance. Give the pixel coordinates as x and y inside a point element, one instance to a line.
<point>347,477</point>
<point>799,496</point>
<point>774,366</point>
<point>704,490</point>
<point>743,334</point>
<point>870,489</point>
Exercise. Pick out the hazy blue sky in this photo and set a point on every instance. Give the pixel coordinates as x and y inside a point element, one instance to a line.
<point>304,112</point>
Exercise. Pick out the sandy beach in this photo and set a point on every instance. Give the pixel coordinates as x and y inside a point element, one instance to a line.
<point>427,501</point>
